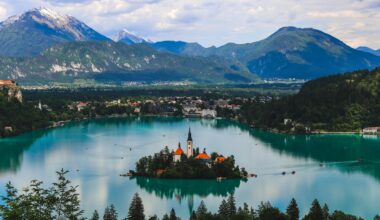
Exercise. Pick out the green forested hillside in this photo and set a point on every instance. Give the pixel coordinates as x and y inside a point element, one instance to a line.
<point>117,63</point>
<point>290,52</point>
<point>336,103</point>
<point>16,118</point>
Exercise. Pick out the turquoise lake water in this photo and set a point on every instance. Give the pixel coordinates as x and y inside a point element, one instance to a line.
<point>340,170</point>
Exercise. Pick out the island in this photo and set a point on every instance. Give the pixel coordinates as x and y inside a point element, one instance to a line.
<point>191,164</point>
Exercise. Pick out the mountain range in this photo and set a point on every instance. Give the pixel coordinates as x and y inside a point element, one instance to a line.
<point>302,53</point>
<point>42,45</point>
<point>114,63</point>
<point>369,50</point>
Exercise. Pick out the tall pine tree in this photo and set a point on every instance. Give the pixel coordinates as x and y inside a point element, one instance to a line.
<point>136,209</point>
<point>315,212</point>
<point>292,211</point>
<point>223,209</point>
<point>95,215</point>
<point>202,210</point>
<point>172,216</point>
<point>325,211</point>
<point>231,205</point>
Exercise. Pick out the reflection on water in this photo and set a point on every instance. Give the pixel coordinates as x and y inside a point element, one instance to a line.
<point>183,189</point>
<point>336,169</point>
<point>12,149</point>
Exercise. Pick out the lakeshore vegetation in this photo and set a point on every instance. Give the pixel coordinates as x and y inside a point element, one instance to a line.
<point>61,201</point>
<point>346,102</point>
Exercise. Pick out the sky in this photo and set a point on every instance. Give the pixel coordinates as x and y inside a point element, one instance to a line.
<point>216,22</point>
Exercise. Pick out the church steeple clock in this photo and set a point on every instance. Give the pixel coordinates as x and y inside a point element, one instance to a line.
<point>189,144</point>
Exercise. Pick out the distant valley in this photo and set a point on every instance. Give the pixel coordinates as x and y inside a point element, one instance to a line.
<point>42,46</point>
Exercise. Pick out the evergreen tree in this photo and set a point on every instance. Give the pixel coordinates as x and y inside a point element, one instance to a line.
<point>136,209</point>
<point>112,212</point>
<point>165,217</point>
<point>315,212</point>
<point>231,205</point>
<point>223,209</point>
<point>202,210</point>
<point>172,216</point>
<point>107,214</point>
<point>325,212</point>
<point>95,215</point>
<point>377,217</point>
<point>267,212</point>
<point>292,211</point>
<point>245,208</point>
<point>193,216</point>
<point>36,202</point>
<point>67,204</point>
<point>11,208</point>
<point>154,217</point>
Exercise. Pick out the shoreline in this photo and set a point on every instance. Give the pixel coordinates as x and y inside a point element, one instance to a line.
<point>56,124</point>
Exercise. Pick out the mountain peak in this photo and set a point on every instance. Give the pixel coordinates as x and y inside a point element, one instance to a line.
<point>129,37</point>
<point>40,28</point>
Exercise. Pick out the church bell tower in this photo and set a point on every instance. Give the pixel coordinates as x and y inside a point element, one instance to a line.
<point>189,145</point>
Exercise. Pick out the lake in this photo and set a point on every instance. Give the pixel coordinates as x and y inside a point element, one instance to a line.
<point>340,170</point>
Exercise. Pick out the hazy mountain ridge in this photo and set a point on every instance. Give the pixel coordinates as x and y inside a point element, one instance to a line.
<point>291,52</point>
<point>117,62</point>
<point>369,50</point>
<point>129,38</point>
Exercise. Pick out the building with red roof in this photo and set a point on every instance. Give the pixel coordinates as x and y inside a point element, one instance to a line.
<point>7,82</point>
<point>178,153</point>
<point>203,156</point>
<point>220,159</point>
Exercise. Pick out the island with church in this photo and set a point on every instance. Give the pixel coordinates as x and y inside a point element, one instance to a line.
<point>190,163</point>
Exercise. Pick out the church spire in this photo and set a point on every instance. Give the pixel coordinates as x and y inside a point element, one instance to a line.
<point>189,138</point>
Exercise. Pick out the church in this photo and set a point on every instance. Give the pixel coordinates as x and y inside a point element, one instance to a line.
<point>189,150</point>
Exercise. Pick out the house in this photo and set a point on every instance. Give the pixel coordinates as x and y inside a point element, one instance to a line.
<point>287,121</point>
<point>371,130</point>
<point>203,156</point>
<point>178,154</point>
<point>81,105</point>
<point>7,83</point>
<point>220,159</point>
<point>208,113</point>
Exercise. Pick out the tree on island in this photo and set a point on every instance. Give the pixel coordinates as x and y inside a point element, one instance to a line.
<point>292,211</point>
<point>136,209</point>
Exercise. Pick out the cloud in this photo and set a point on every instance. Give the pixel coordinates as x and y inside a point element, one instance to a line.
<point>213,22</point>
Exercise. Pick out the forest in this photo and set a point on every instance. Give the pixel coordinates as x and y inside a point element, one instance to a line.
<point>61,201</point>
<point>345,102</point>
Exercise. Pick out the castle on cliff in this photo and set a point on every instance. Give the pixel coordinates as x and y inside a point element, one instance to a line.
<point>10,88</point>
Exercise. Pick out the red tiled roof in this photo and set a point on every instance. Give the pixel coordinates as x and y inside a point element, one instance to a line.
<point>179,151</point>
<point>220,159</point>
<point>6,82</point>
<point>203,156</point>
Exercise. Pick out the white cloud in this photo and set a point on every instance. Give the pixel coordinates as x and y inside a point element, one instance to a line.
<point>217,22</point>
